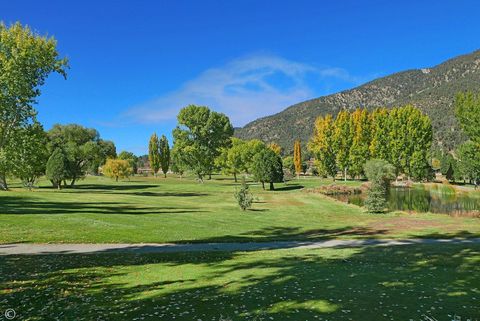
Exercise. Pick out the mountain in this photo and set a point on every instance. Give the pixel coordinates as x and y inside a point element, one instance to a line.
<point>430,89</point>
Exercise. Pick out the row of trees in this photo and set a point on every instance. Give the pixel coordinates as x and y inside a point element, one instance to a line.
<point>401,136</point>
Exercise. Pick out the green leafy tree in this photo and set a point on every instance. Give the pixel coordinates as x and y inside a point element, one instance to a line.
<point>105,149</point>
<point>289,164</point>
<point>322,145</point>
<point>178,166</point>
<point>164,149</point>
<point>131,158</point>
<point>26,60</point>
<point>469,162</point>
<point>467,111</point>
<point>154,153</point>
<point>56,168</point>
<point>199,137</point>
<point>29,155</point>
<point>380,133</point>
<point>268,167</point>
<point>361,139</point>
<point>343,140</point>
<point>231,160</point>
<point>81,146</point>
<point>117,168</point>
<point>252,148</point>
<point>380,173</point>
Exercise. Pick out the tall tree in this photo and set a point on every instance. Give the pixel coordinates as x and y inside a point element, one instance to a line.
<point>467,111</point>
<point>164,149</point>
<point>380,133</point>
<point>361,138</point>
<point>199,137</point>
<point>322,145</point>
<point>154,153</point>
<point>26,60</point>
<point>297,157</point>
<point>343,140</point>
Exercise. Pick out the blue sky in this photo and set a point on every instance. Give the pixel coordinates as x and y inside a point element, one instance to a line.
<point>134,64</point>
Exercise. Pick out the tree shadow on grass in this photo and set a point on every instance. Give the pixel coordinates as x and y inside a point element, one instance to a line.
<point>289,187</point>
<point>23,205</point>
<point>366,283</point>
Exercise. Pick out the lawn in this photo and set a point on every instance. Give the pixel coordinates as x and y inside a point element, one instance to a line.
<point>370,283</point>
<point>183,210</point>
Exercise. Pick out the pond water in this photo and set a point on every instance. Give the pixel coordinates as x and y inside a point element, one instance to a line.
<point>434,199</point>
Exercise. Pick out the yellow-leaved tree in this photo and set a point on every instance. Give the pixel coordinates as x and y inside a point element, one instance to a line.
<point>117,168</point>
<point>297,157</point>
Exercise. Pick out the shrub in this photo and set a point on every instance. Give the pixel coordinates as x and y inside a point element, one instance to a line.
<point>380,173</point>
<point>55,169</point>
<point>243,196</point>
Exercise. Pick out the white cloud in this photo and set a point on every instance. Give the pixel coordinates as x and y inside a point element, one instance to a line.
<point>244,89</point>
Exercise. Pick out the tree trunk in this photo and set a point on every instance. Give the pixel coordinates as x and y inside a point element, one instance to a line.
<point>116,178</point>
<point>345,174</point>
<point>3,182</point>
<point>209,176</point>
<point>263,185</point>
<point>59,185</point>
<point>164,173</point>
<point>235,177</point>
<point>272,188</point>
<point>72,183</point>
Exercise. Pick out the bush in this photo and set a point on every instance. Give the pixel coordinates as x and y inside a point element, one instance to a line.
<point>243,196</point>
<point>380,173</point>
<point>55,169</point>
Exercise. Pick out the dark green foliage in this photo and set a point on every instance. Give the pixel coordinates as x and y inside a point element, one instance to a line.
<point>469,162</point>
<point>131,158</point>
<point>243,196</point>
<point>427,89</point>
<point>164,149</point>
<point>56,170</point>
<point>267,167</point>
<point>82,148</point>
<point>154,153</point>
<point>380,173</point>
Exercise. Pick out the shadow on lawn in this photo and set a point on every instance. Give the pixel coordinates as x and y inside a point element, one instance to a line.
<point>23,205</point>
<point>368,283</point>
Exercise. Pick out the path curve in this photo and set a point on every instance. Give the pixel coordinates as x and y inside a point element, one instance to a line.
<point>38,249</point>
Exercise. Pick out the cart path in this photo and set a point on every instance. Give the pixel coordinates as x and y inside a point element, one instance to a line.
<point>140,248</point>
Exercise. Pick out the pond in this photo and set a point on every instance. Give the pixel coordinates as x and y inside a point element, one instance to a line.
<point>435,198</point>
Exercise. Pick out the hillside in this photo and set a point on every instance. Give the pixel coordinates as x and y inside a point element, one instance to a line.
<point>430,89</point>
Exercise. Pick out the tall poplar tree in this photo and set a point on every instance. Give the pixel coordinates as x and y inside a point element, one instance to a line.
<point>297,157</point>
<point>361,137</point>
<point>343,140</point>
<point>164,153</point>
<point>322,145</point>
<point>154,154</point>
<point>380,129</point>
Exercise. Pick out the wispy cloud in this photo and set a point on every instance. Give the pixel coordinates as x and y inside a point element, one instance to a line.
<point>245,89</point>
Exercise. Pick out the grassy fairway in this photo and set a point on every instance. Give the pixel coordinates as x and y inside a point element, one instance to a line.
<point>182,210</point>
<point>396,283</point>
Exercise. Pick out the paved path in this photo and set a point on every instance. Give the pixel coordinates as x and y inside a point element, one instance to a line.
<point>28,249</point>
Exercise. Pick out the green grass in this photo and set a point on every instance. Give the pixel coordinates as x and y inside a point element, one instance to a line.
<point>370,283</point>
<point>182,210</point>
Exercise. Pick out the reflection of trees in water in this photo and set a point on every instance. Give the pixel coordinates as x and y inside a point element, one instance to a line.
<point>420,199</point>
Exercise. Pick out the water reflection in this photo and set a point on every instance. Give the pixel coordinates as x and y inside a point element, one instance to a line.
<point>434,199</point>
